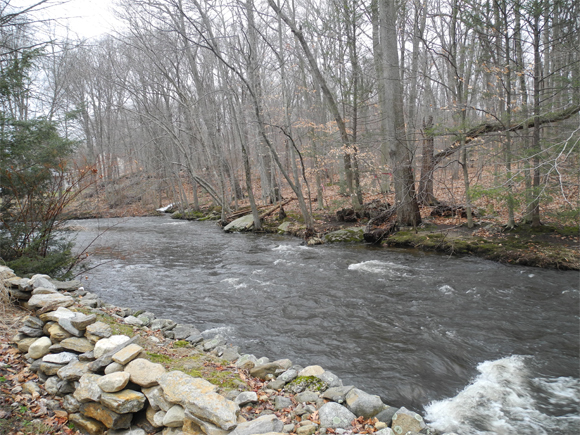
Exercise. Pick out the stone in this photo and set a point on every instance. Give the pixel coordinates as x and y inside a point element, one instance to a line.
<point>330,379</point>
<point>284,364</point>
<point>57,333</point>
<point>49,369</point>
<point>50,300</point>
<point>107,358</point>
<point>307,396</point>
<point>288,376</point>
<point>230,353</point>
<point>43,291</point>
<point>99,329</point>
<point>245,398</point>
<point>24,344</point>
<point>163,324</point>
<point>337,394</point>
<point>311,371</point>
<point>87,425</point>
<point>133,321</point>
<point>73,371</point>
<point>146,318</point>
<point>181,332</point>
<point>150,416</point>
<point>82,321</point>
<point>281,402</point>
<point>33,322</point>
<point>127,354</point>
<point>40,280</point>
<point>31,388</point>
<point>31,332</point>
<point>156,398</point>
<point>198,397</point>
<point>193,425</point>
<point>244,223</point>
<point>263,371</point>
<point>77,344</point>
<point>66,324</point>
<point>39,348</point>
<point>60,358</point>
<point>108,344</point>
<point>57,348</point>
<point>144,372</point>
<point>91,303</point>
<point>195,338</point>
<point>103,414</point>
<point>246,361</point>
<point>135,431</point>
<point>363,404</point>
<point>66,286</point>
<point>347,235</point>
<point>124,401</point>
<point>212,343</point>
<point>407,421</point>
<point>59,313</point>
<point>57,387</point>
<point>261,425</point>
<point>70,404</point>
<point>87,356</point>
<point>113,368</point>
<point>19,294</point>
<point>386,415</point>
<point>335,416</point>
<point>385,431</point>
<point>114,382</point>
<point>308,429</point>
<point>174,416</point>
<point>276,385</point>
<point>158,418</point>
<point>88,390</point>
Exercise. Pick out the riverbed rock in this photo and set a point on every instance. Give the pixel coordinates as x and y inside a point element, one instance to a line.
<point>108,344</point>
<point>103,414</point>
<point>337,394</point>
<point>124,401</point>
<point>386,415</point>
<point>163,324</point>
<point>330,379</point>
<point>335,416</point>
<point>264,371</point>
<point>281,402</point>
<point>114,382</point>
<point>245,223</point>
<point>199,398</point>
<point>261,425</point>
<point>347,235</point>
<point>39,348</point>
<point>144,372</point>
<point>407,421</point>
<point>133,321</point>
<point>246,397</point>
<point>363,404</point>
<point>311,371</point>
<point>146,318</point>
<point>212,343</point>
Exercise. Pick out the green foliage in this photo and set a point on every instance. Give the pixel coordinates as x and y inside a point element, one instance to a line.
<point>181,343</point>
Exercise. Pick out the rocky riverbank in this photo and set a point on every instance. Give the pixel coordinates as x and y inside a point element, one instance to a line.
<point>110,370</point>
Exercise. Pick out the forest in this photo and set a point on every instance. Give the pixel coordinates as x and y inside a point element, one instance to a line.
<point>469,103</point>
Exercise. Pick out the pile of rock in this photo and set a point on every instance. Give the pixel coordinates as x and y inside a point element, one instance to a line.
<point>109,386</point>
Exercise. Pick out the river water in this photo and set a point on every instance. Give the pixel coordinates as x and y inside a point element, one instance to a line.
<point>475,346</point>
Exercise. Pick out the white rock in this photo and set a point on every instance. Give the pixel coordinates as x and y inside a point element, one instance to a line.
<point>108,344</point>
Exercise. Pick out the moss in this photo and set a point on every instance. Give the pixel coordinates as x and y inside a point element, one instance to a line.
<point>158,358</point>
<point>303,383</point>
<point>181,343</point>
<point>116,327</point>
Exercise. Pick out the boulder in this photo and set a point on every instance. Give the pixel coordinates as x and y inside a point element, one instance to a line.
<point>163,324</point>
<point>311,371</point>
<point>39,348</point>
<point>59,313</point>
<point>127,354</point>
<point>99,330</point>
<point>73,371</point>
<point>50,300</point>
<point>363,404</point>
<point>181,332</point>
<point>335,416</point>
<point>407,421</point>
<point>114,382</point>
<point>246,397</point>
<point>60,358</point>
<point>156,398</point>
<point>66,324</point>
<point>133,321</point>
<point>337,394</point>
<point>198,397</point>
<point>144,372</point>
<point>103,414</point>
<point>40,280</point>
<point>330,379</point>
<point>82,321</point>
<point>261,425</point>
<point>57,333</point>
<point>246,361</point>
<point>174,417</point>
<point>124,401</point>
<point>77,344</point>
<point>307,396</point>
<point>245,223</point>
<point>386,415</point>
<point>87,425</point>
<point>88,390</point>
<point>281,402</point>
<point>212,343</point>
<point>347,235</point>
<point>264,371</point>
<point>108,344</point>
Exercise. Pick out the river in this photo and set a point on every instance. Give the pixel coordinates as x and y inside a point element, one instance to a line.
<point>475,346</point>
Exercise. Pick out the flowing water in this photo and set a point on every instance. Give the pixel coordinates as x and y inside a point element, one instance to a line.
<point>475,346</point>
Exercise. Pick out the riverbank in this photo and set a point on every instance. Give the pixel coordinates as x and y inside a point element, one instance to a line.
<point>64,341</point>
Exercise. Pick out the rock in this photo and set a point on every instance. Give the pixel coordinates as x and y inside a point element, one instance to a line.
<point>244,223</point>
<point>70,404</point>
<point>303,383</point>
<point>124,401</point>
<point>211,344</point>
<point>108,344</point>
<point>107,358</point>
<point>77,344</point>
<point>163,324</point>
<point>158,418</point>
<point>230,353</point>
<point>60,358</point>
<point>114,382</point>
<point>311,371</point>
<point>156,398</point>
<point>33,322</point>
<point>88,390</point>
<point>133,321</point>
<point>57,348</point>
<point>246,361</point>
<point>198,397</point>
<point>57,387</point>
<point>407,421</point>
<point>66,324</point>
<point>73,371</point>
<point>24,344</point>
<point>261,425</point>
<point>50,300</point>
<point>54,316</point>
<point>307,429</point>
<point>174,417</point>
<point>66,286</point>
<point>18,294</point>
<point>284,364</point>
<point>44,291</point>
<point>281,402</point>
<point>144,372</point>
<point>113,368</point>
<point>334,416</point>
<point>146,318</point>
<point>127,354</point>
<point>39,348</point>
<point>307,396</point>
<point>40,280</point>
<point>346,235</point>
<point>135,431</point>
<point>87,425</point>
<point>57,333</point>
<point>150,416</point>
<point>49,369</point>
<point>385,431</point>
<point>87,356</point>
<point>181,332</point>
<point>363,404</point>
<point>31,332</point>
<point>91,303</point>
<point>31,388</point>
<point>193,425</point>
<point>276,385</point>
<point>386,415</point>
<point>245,398</point>
<point>337,394</point>
<point>82,321</point>
<point>330,379</point>
<point>262,371</point>
<point>100,330</point>
<point>103,414</point>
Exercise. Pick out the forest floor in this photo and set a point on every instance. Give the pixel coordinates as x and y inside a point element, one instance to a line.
<point>555,244</point>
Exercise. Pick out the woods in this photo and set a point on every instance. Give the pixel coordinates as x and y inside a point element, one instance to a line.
<point>471,103</point>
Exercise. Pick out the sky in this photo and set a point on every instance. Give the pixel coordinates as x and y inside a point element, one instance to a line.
<point>85,18</point>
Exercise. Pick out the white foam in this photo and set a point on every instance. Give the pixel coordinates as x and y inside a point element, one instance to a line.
<point>235,282</point>
<point>446,289</point>
<point>501,401</point>
<point>381,267</point>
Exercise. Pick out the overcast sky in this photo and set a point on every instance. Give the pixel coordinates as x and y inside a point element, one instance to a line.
<point>86,18</point>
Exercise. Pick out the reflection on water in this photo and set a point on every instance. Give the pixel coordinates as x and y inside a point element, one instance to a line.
<point>415,328</point>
